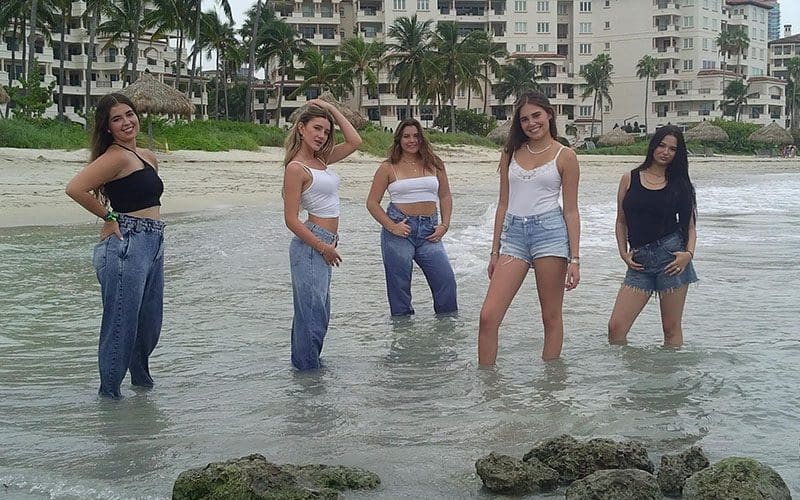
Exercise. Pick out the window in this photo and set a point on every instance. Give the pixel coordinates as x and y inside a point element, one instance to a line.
<point>688,21</point>
<point>544,47</point>
<point>608,25</point>
<point>716,24</point>
<point>585,27</point>
<point>520,6</point>
<point>585,6</point>
<point>705,43</point>
<point>688,43</point>
<point>520,27</point>
<point>543,27</point>
<point>607,46</point>
<point>608,4</point>
<point>688,65</point>
<point>423,5</point>
<point>705,22</point>
<point>585,49</point>
<point>399,4</point>
<point>521,47</point>
<point>585,110</point>
<point>543,6</point>
<point>563,9</point>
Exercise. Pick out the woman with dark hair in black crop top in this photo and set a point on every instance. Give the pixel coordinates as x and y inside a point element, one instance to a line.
<point>129,259</point>
<point>655,229</point>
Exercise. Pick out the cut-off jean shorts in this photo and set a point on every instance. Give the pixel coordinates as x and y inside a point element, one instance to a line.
<point>655,257</point>
<point>531,237</point>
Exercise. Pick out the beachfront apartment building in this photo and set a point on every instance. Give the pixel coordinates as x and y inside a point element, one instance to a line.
<point>774,20</point>
<point>560,36</point>
<point>156,56</point>
<point>781,51</point>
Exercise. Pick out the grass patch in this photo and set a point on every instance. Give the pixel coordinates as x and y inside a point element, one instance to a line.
<point>44,134</point>
<point>215,135</point>
<point>636,149</point>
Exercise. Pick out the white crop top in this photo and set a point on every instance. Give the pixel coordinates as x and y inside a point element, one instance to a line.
<point>321,198</point>
<point>414,190</point>
<point>535,191</point>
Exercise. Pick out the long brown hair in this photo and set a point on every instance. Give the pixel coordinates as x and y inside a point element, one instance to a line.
<point>516,136</point>
<point>101,137</point>
<point>430,160</point>
<point>294,139</point>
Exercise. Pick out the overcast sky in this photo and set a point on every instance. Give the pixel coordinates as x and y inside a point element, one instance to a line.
<point>790,11</point>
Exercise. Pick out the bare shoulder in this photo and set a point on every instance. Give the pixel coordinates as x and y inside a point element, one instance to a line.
<point>568,154</point>
<point>150,157</point>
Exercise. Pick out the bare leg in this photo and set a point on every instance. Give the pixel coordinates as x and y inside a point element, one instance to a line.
<point>629,304</point>
<point>509,273</point>
<point>672,315</point>
<point>550,274</point>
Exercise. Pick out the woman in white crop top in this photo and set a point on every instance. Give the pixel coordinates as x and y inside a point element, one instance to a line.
<point>530,228</point>
<point>310,184</point>
<point>412,232</point>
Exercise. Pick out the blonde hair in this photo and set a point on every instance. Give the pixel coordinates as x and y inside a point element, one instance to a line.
<point>294,139</point>
<point>430,161</point>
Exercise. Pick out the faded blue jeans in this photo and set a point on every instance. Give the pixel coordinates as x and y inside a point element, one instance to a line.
<point>399,255</point>
<point>311,294</point>
<point>131,276</point>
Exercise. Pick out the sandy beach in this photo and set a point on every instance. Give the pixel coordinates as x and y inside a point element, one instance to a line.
<point>32,180</point>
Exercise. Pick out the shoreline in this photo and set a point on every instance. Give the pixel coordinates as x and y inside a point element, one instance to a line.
<point>32,181</point>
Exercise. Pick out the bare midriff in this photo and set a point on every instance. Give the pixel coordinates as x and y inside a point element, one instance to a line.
<point>147,213</point>
<point>328,223</point>
<point>425,208</point>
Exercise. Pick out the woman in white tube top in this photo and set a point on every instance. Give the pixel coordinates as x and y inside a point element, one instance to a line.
<point>531,229</point>
<point>412,229</point>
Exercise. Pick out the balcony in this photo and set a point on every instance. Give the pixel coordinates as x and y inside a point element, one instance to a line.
<point>662,5</point>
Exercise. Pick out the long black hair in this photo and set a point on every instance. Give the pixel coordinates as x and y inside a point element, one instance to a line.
<point>677,176</point>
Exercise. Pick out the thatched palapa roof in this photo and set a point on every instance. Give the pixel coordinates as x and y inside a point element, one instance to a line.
<point>772,134</point>
<point>153,97</point>
<point>355,118</point>
<point>499,134</point>
<point>3,95</point>
<point>617,137</point>
<point>706,132</point>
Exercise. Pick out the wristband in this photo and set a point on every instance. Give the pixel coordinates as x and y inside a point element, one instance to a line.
<point>494,253</point>
<point>691,253</point>
<point>575,260</point>
<point>111,215</point>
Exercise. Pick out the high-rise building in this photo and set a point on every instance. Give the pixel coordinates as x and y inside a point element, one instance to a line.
<point>774,21</point>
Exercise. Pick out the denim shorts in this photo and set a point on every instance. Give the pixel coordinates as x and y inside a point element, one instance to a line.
<point>534,236</point>
<point>655,257</point>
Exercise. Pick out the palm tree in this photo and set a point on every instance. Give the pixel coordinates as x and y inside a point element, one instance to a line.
<point>258,20</point>
<point>65,14</point>
<point>518,78</point>
<point>489,53</point>
<point>197,6</point>
<point>93,11</point>
<point>739,43</point>
<point>410,51</point>
<point>359,56</point>
<point>736,95</point>
<point>283,42</point>
<point>32,36</point>
<point>793,66</point>
<point>126,20</point>
<point>170,16</point>
<point>597,75</point>
<point>646,68</point>
<point>456,56</point>
<point>322,71</point>
<point>217,37</point>
<point>725,49</point>
<point>377,63</point>
<point>13,14</point>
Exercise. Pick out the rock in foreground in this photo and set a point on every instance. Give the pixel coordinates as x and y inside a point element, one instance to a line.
<point>624,484</point>
<point>736,477</point>
<point>253,478</point>
<point>677,468</point>
<point>504,474</point>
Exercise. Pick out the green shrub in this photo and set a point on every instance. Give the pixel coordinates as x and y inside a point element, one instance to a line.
<point>467,121</point>
<point>738,136</point>
<point>42,133</point>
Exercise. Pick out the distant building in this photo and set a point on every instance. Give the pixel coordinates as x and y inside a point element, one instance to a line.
<point>774,21</point>
<point>781,51</point>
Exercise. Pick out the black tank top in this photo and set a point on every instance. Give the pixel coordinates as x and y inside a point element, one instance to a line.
<point>650,214</point>
<point>137,190</point>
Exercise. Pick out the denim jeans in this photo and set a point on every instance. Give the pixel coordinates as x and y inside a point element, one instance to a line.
<point>399,255</point>
<point>131,276</point>
<point>311,294</point>
<point>654,257</point>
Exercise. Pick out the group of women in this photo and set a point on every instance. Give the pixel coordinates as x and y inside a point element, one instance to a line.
<point>655,230</point>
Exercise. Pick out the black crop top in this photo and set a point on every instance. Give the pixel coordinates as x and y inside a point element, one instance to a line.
<point>136,191</point>
<point>650,214</point>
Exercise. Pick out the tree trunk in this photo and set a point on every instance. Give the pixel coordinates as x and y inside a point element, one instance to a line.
<point>486,90</point>
<point>646,109</point>
<point>594,113</point>
<point>32,35</point>
<point>90,60</point>
<point>194,49</point>
<point>134,58</point>
<point>250,105</point>
<point>61,66</point>
<point>24,51</point>
<point>12,75</point>
<point>225,84</point>
<point>178,55</point>
<point>453,108</point>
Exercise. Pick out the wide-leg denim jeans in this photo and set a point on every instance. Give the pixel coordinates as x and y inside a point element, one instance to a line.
<point>311,294</point>
<point>399,255</point>
<point>131,276</point>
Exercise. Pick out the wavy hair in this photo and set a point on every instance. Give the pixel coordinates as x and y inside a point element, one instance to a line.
<point>430,160</point>
<point>294,138</point>
<point>677,176</point>
<point>516,136</point>
<point>101,137</point>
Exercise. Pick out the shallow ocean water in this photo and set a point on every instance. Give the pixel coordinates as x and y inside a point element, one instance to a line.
<point>403,398</point>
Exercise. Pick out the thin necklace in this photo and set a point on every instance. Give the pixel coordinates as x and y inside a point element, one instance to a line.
<point>537,152</point>
<point>413,164</point>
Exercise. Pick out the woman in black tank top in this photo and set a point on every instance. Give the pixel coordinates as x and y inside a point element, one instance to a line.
<point>129,260</point>
<point>656,237</point>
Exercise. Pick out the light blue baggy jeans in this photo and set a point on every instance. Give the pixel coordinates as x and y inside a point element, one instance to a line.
<point>311,294</point>
<point>131,276</point>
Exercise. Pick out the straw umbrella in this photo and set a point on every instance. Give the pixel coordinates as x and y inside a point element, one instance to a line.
<point>3,95</point>
<point>499,134</point>
<point>617,137</point>
<point>153,97</point>
<point>772,134</point>
<point>706,132</point>
<point>355,118</point>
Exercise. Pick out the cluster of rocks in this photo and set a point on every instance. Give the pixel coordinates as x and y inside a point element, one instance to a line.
<point>253,477</point>
<point>600,469</point>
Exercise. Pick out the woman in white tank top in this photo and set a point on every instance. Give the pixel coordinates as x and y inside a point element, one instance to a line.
<point>412,231</point>
<point>309,184</point>
<point>530,228</point>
